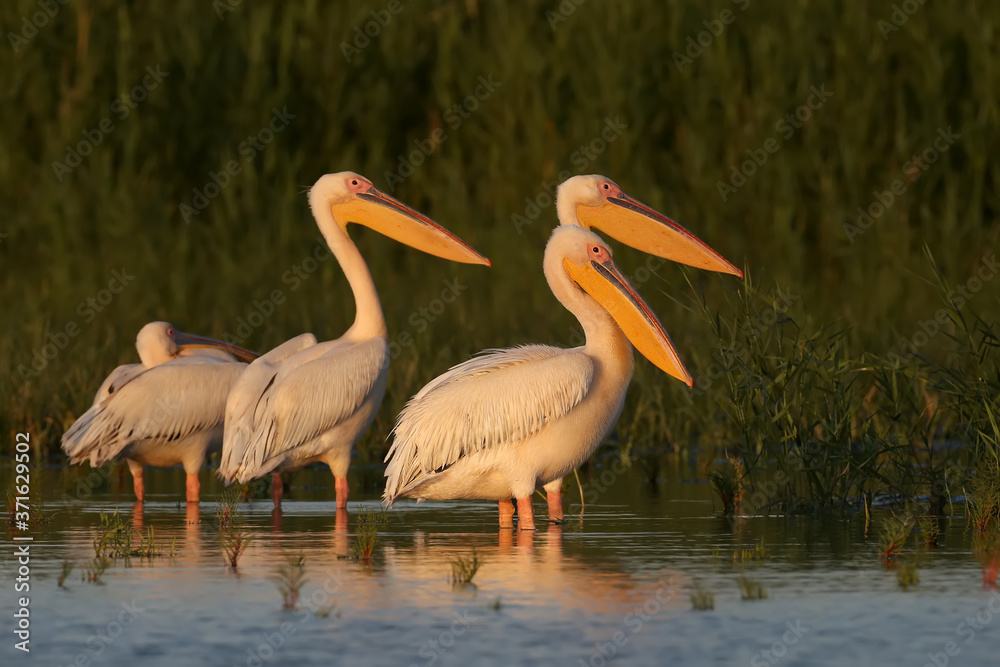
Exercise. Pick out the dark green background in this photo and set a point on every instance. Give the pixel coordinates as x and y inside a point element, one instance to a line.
<point>559,81</point>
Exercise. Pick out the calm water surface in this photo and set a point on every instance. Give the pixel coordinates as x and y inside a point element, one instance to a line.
<point>612,585</point>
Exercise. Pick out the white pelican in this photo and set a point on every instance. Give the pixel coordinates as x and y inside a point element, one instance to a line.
<point>165,411</point>
<point>596,202</point>
<point>501,424</point>
<point>307,402</point>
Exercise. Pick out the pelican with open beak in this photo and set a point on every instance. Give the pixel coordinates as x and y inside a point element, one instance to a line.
<point>167,410</point>
<point>501,424</point>
<point>306,402</point>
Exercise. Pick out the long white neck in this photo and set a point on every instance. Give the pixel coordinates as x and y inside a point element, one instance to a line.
<point>605,340</point>
<point>566,211</point>
<point>368,319</point>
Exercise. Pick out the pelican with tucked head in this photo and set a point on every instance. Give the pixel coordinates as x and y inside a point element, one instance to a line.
<point>167,410</point>
<point>504,423</point>
<point>307,402</point>
<point>596,202</point>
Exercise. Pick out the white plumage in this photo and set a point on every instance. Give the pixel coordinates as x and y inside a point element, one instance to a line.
<point>307,402</point>
<point>170,403</point>
<point>595,201</point>
<point>500,425</point>
<point>493,400</point>
<point>166,411</point>
<point>246,402</point>
<point>243,406</point>
<point>280,411</point>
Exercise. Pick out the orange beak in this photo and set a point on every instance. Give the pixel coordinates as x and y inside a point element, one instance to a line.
<point>606,284</point>
<point>637,225</point>
<point>389,216</point>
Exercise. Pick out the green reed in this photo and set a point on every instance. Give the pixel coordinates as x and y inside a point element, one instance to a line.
<point>800,401</point>
<point>366,539</point>
<point>702,599</point>
<point>290,577</point>
<point>464,569</point>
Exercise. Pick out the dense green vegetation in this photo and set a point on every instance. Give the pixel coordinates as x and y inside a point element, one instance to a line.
<point>467,110</point>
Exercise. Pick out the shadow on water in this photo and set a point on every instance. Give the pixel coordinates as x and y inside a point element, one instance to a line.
<point>613,582</point>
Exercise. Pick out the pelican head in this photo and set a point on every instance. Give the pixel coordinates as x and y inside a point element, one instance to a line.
<point>596,202</point>
<point>351,197</point>
<point>586,260</point>
<point>159,342</point>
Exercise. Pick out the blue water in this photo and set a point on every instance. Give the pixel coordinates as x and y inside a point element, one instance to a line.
<point>612,586</point>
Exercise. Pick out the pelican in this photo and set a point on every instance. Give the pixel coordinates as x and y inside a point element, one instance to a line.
<point>307,402</point>
<point>596,202</point>
<point>501,424</point>
<point>164,411</point>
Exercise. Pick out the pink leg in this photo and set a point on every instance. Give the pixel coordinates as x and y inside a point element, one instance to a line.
<point>277,488</point>
<point>525,515</point>
<point>554,499</point>
<point>140,490</point>
<point>506,513</point>
<point>340,522</point>
<point>340,484</point>
<point>193,488</point>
